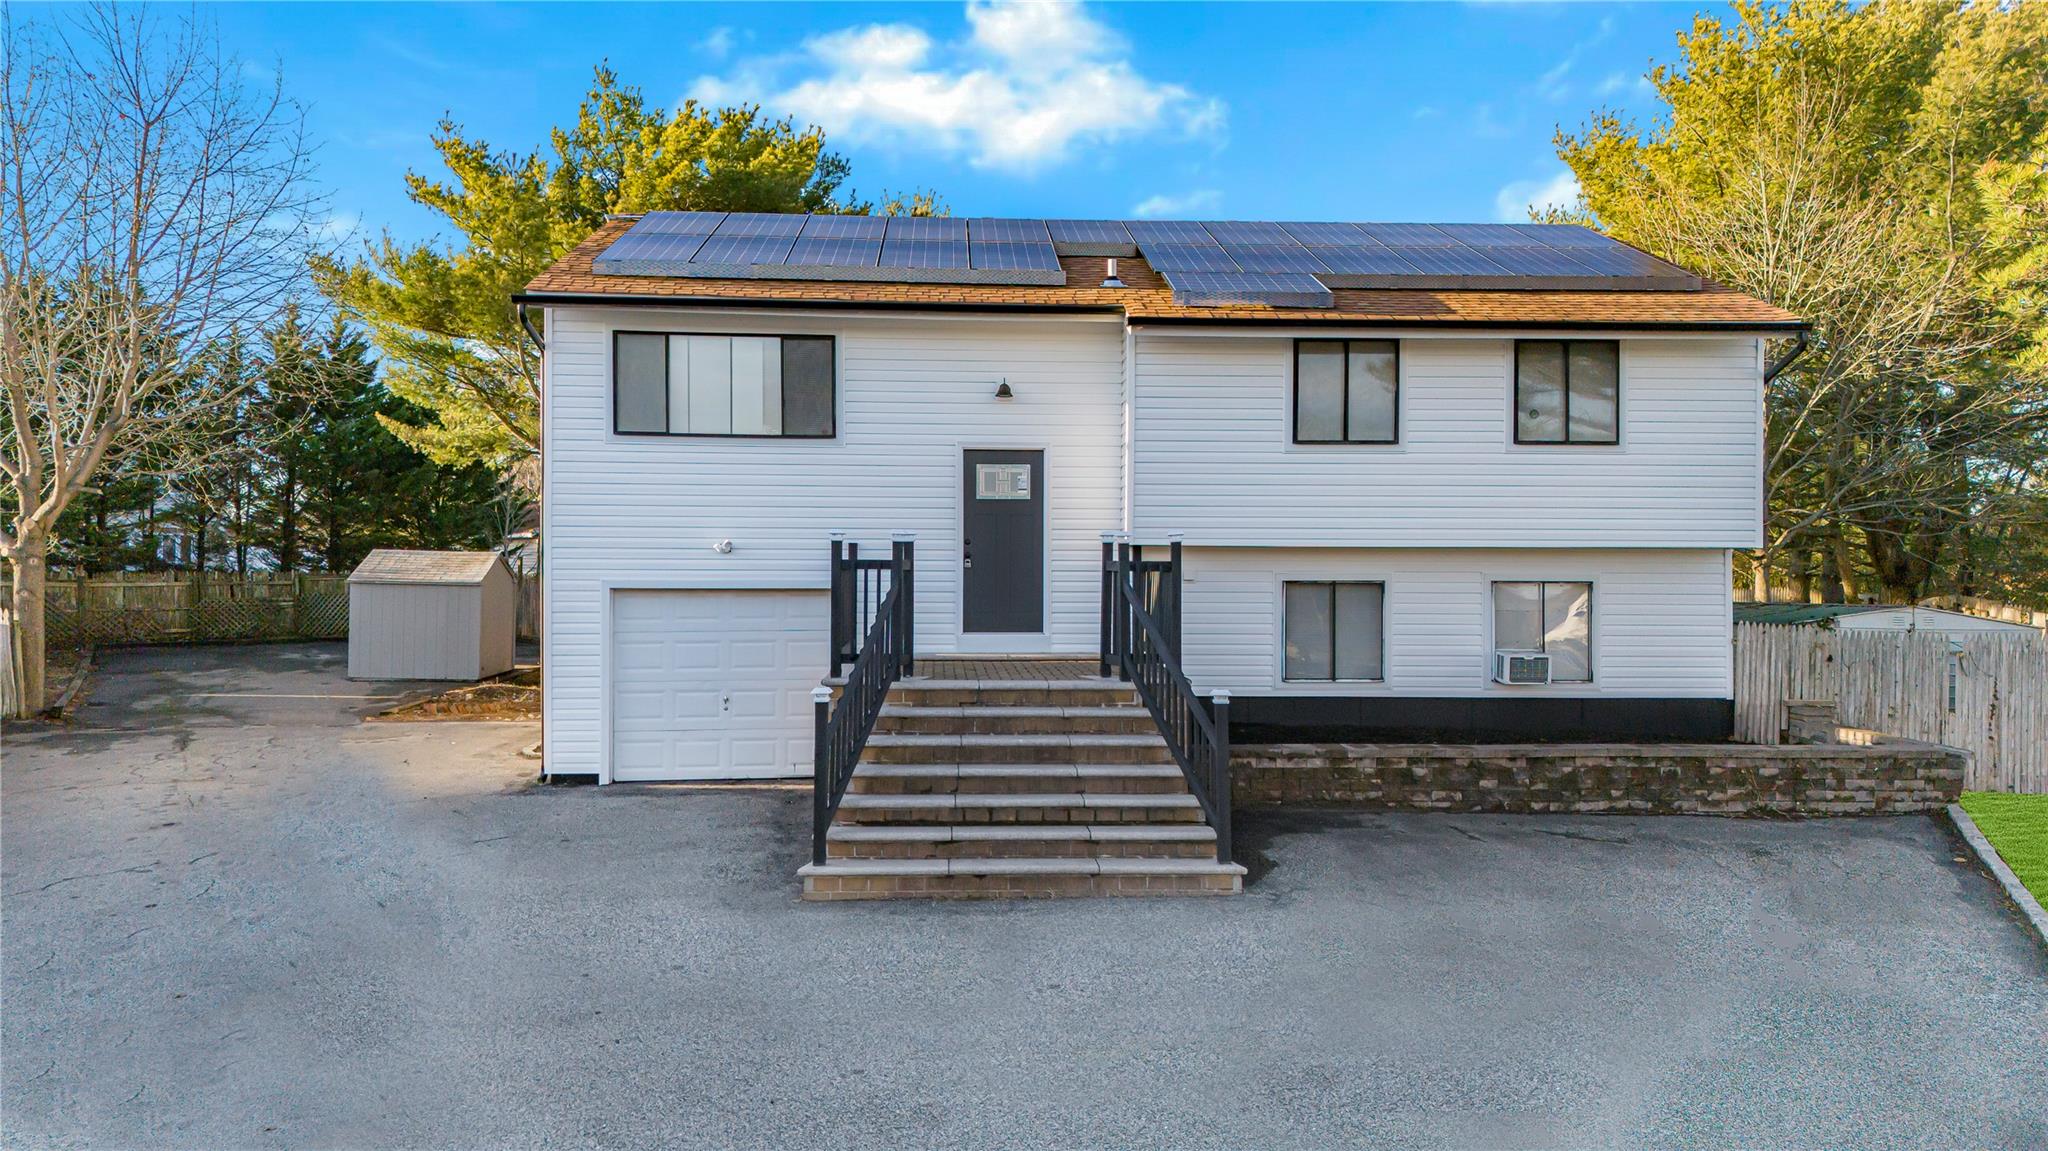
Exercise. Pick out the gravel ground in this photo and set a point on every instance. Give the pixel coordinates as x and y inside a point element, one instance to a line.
<point>235,916</point>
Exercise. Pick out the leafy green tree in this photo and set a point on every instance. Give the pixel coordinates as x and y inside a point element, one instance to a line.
<point>1877,170</point>
<point>441,317</point>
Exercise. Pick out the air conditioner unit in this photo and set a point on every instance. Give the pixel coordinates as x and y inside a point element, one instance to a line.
<point>1521,667</point>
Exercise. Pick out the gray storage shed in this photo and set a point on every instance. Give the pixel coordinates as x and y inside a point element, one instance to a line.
<point>431,615</point>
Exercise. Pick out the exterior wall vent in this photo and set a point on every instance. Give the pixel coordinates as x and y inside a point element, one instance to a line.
<point>1109,277</point>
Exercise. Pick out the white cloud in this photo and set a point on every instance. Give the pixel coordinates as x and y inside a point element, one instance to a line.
<point>1032,82</point>
<point>717,43</point>
<point>1184,204</point>
<point>338,226</point>
<point>1512,204</point>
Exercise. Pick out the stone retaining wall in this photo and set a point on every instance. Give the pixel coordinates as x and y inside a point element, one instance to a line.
<point>1671,779</point>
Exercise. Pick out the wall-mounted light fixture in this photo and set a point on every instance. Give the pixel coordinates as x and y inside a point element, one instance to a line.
<point>1003,391</point>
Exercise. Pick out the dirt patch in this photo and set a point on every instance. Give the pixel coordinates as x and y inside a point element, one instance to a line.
<point>494,700</point>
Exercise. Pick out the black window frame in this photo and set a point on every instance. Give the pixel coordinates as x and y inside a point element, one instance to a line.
<point>1345,418</point>
<point>1568,441</point>
<point>1592,621</point>
<point>831,341</point>
<point>1333,585</point>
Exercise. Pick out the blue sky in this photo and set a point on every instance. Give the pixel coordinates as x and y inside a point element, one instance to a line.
<point>1313,111</point>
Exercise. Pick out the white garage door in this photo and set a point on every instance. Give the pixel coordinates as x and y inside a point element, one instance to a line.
<point>715,684</point>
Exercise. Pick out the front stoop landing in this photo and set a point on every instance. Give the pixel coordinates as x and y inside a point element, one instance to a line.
<point>1015,789</point>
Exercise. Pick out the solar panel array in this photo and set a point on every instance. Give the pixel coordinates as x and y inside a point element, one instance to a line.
<point>1206,263</point>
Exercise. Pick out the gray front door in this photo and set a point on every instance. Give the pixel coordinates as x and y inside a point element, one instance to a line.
<point>1003,542</point>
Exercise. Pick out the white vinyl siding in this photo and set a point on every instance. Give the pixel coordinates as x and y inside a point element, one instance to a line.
<point>1661,621</point>
<point>1214,457</point>
<point>630,512</point>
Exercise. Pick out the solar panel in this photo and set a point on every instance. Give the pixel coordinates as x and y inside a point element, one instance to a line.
<point>1328,235</point>
<point>761,224</point>
<point>924,253</point>
<point>926,228</point>
<point>1281,290</point>
<point>844,227</point>
<point>1251,233</point>
<point>1530,260</point>
<point>1449,262</point>
<point>1008,232</point>
<point>744,249</point>
<point>1562,235</point>
<point>1089,232</point>
<point>1188,257</point>
<point>646,254</point>
<point>1274,258</point>
<point>1481,235</point>
<point>837,251</point>
<point>678,223</point>
<point>1373,261</point>
<point>1406,235</point>
<point>1148,232</point>
<point>1013,257</point>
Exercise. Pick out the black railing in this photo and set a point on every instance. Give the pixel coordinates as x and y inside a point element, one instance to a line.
<point>1143,649</point>
<point>883,653</point>
<point>858,589</point>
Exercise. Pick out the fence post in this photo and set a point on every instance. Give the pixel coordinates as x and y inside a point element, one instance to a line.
<point>1219,780</point>
<point>837,605</point>
<point>1124,587</point>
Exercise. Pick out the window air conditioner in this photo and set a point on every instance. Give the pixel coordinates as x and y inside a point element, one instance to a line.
<point>1521,667</point>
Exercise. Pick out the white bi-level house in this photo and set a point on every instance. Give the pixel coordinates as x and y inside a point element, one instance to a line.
<point>1462,481</point>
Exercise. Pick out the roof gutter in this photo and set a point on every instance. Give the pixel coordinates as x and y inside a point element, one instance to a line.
<point>1414,322</point>
<point>1798,349</point>
<point>601,300</point>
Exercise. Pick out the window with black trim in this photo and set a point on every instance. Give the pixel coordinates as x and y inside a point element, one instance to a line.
<point>685,384</point>
<point>1335,631</point>
<point>1567,392</point>
<point>1347,391</point>
<point>1550,616</point>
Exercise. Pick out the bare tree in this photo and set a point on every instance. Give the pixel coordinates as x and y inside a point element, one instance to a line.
<point>154,200</point>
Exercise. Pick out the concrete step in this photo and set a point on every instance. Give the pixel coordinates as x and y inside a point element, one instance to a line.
<point>1039,808</point>
<point>1017,778</point>
<point>1017,878</point>
<point>896,747</point>
<point>1020,841</point>
<point>919,692</point>
<point>988,719</point>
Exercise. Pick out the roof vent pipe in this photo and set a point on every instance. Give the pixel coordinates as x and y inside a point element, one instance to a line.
<point>1109,279</point>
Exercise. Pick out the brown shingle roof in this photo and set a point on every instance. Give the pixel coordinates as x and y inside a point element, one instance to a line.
<point>1147,299</point>
<point>400,565</point>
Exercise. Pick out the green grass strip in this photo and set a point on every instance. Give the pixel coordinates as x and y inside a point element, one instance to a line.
<point>2017,825</point>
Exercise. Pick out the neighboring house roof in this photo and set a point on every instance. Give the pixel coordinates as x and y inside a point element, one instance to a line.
<point>400,565</point>
<point>1148,298</point>
<point>1900,617</point>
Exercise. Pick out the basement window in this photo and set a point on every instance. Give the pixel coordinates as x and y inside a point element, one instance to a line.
<point>1335,632</point>
<point>1553,617</point>
<point>719,385</point>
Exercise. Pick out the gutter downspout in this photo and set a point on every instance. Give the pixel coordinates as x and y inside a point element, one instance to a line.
<point>1799,347</point>
<point>540,539</point>
<point>542,345</point>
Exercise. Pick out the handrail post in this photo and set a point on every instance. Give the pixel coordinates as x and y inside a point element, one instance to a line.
<point>821,772</point>
<point>1172,596</point>
<point>1125,593</point>
<point>905,579</point>
<point>840,626</point>
<point>1219,787</point>
<point>1108,566</point>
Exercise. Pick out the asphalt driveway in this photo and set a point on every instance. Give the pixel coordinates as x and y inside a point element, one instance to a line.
<point>232,915</point>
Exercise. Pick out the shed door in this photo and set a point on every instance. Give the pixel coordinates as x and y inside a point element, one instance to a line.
<point>715,684</point>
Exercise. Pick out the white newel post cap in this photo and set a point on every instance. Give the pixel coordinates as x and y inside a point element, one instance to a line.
<point>903,537</point>
<point>821,694</point>
<point>1175,537</point>
<point>1219,696</point>
<point>836,536</point>
<point>1109,537</point>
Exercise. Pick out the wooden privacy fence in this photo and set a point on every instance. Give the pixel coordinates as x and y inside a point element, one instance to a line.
<point>1986,694</point>
<point>192,607</point>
